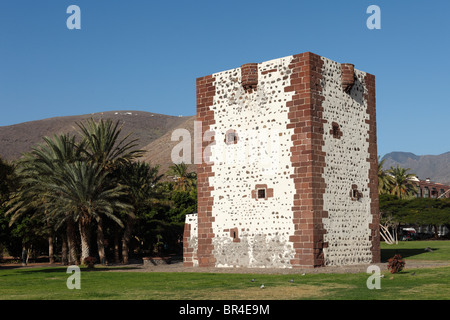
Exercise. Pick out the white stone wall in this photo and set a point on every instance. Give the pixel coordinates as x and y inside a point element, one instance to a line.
<point>347,225</point>
<point>192,220</point>
<point>261,156</point>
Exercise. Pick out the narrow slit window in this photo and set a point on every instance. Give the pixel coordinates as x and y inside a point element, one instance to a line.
<point>335,130</point>
<point>231,137</point>
<point>355,194</point>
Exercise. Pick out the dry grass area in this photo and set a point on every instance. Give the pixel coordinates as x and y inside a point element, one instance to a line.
<point>293,292</point>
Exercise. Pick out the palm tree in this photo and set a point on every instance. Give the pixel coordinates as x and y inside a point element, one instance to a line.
<point>141,180</point>
<point>402,186</point>
<point>7,180</point>
<point>184,180</point>
<point>83,190</point>
<point>34,170</point>
<point>104,146</point>
<point>8,183</point>
<point>384,179</point>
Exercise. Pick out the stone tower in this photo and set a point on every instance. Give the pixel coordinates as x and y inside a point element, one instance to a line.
<point>289,171</point>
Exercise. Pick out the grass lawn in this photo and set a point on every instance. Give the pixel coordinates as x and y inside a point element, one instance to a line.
<point>414,250</point>
<point>109,283</point>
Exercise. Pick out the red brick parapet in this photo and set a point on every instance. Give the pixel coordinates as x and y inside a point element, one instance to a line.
<point>348,76</point>
<point>249,76</point>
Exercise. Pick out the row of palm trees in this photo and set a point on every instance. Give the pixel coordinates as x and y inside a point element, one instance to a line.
<point>76,182</point>
<point>396,181</point>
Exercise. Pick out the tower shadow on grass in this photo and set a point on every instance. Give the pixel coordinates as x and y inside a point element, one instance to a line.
<point>63,269</point>
<point>386,254</point>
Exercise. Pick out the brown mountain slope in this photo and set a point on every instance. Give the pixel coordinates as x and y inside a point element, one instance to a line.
<point>145,126</point>
<point>159,151</point>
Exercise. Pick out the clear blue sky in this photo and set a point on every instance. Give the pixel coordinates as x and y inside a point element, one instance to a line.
<point>145,55</point>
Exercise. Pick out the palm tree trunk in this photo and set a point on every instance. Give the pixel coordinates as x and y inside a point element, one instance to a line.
<point>116,246</point>
<point>85,239</point>
<point>64,259</point>
<point>101,241</point>
<point>436,231</point>
<point>126,239</point>
<point>50,248</point>
<point>70,225</point>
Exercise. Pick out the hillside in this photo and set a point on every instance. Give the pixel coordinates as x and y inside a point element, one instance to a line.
<point>146,126</point>
<point>435,167</point>
<point>159,151</point>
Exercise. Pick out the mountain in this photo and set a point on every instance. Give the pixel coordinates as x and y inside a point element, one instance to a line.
<point>153,131</point>
<point>159,151</point>
<point>435,167</point>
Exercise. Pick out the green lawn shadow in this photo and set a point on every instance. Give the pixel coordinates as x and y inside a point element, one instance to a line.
<point>63,269</point>
<point>386,254</point>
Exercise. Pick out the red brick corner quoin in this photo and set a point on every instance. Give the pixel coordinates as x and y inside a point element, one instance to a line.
<point>373,171</point>
<point>308,159</point>
<point>205,98</point>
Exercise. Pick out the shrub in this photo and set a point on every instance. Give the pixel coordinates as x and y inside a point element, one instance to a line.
<point>90,261</point>
<point>396,264</point>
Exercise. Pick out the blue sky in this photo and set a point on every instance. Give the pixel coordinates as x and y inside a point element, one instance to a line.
<point>145,55</point>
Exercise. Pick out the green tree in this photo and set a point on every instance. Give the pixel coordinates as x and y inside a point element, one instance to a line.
<point>7,186</point>
<point>7,180</point>
<point>141,181</point>
<point>184,179</point>
<point>427,211</point>
<point>385,180</point>
<point>417,211</point>
<point>105,146</point>
<point>83,190</point>
<point>34,170</point>
<point>402,186</point>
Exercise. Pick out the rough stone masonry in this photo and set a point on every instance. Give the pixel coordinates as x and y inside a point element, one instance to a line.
<point>289,171</point>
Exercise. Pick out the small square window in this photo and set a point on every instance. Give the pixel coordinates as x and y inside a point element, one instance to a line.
<point>355,194</point>
<point>336,130</point>
<point>261,193</point>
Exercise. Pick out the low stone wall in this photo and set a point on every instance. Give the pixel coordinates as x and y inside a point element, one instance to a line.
<point>156,260</point>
